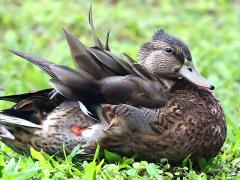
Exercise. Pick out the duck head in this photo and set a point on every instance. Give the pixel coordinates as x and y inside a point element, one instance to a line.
<point>169,59</point>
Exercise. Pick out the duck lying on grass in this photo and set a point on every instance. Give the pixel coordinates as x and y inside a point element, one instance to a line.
<point>159,107</point>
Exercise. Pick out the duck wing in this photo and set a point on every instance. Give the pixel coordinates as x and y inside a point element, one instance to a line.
<point>137,87</point>
<point>33,106</point>
<point>128,89</point>
<point>101,76</point>
<point>119,82</point>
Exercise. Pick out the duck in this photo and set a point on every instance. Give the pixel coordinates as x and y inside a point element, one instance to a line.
<point>160,107</point>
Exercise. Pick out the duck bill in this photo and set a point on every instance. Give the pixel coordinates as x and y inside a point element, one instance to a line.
<point>189,72</point>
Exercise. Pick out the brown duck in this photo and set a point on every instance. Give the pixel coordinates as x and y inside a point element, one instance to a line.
<point>161,107</point>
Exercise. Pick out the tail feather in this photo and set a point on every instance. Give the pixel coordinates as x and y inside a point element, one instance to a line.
<point>97,42</point>
<point>108,61</point>
<point>5,134</point>
<point>96,61</point>
<point>69,76</point>
<point>42,63</point>
<point>62,89</point>
<point>97,57</point>
<point>19,97</point>
<point>77,86</point>
<point>14,121</point>
<point>107,41</point>
<point>121,62</point>
<point>83,59</point>
<point>131,60</point>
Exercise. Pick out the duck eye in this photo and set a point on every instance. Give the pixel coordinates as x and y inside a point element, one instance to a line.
<point>169,50</point>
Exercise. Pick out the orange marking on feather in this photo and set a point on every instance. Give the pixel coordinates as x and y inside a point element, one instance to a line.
<point>77,130</point>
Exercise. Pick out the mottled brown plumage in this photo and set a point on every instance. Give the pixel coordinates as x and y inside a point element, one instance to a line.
<point>161,107</point>
<point>192,122</point>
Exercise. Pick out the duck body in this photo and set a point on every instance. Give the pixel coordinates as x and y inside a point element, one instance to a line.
<point>192,122</point>
<point>158,108</point>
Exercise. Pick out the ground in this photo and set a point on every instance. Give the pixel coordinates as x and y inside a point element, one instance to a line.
<point>210,28</point>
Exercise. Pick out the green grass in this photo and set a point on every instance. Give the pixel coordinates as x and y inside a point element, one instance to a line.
<point>211,28</point>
